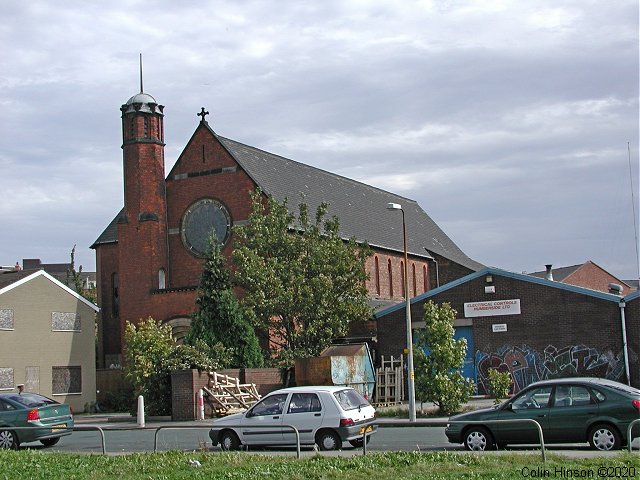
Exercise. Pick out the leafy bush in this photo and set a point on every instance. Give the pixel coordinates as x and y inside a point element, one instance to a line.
<point>151,355</point>
<point>438,377</point>
<point>499,384</point>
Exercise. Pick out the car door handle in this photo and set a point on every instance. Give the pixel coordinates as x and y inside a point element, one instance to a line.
<point>276,417</point>
<point>542,416</point>
<point>317,415</point>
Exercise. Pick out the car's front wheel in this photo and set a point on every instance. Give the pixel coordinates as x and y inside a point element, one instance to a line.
<point>478,439</point>
<point>604,437</point>
<point>50,442</point>
<point>8,439</point>
<point>229,440</point>
<point>328,440</point>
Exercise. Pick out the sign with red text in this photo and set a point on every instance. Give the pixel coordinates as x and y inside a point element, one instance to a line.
<point>492,308</point>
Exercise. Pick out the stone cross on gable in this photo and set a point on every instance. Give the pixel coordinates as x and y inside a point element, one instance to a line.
<point>203,114</point>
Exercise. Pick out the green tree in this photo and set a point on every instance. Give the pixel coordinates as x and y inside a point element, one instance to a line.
<point>151,355</point>
<point>438,377</point>
<point>219,317</point>
<point>302,281</point>
<point>499,384</point>
<point>75,277</point>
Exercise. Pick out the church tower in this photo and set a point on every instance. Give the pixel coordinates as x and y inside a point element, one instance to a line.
<point>142,225</point>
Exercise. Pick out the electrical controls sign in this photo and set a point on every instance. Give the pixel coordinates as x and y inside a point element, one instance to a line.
<point>493,308</point>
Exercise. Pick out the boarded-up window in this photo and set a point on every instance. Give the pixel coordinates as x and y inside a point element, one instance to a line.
<point>6,378</point>
<point>65,321</point>
<point>66,380</point>
<point>6,319</point>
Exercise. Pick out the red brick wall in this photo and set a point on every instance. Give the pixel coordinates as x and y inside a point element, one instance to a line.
<point>395,280</point>
<point>109,340</point>
<point>232,189</point>
<point>590,275</point>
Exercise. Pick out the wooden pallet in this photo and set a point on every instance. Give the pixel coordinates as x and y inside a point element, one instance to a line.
<point>227,395</point>
<point>389,382</point>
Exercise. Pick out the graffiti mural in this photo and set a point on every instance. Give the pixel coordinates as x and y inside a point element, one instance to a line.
<point>526,365</point>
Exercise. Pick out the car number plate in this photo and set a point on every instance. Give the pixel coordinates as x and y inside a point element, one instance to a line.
<point>60,426</point>
<point>366,429</point>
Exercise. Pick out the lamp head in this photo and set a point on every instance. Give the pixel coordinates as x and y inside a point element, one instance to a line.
<point>394,206</point>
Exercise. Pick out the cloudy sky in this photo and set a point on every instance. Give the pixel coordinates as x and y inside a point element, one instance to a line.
<point>509,121</point>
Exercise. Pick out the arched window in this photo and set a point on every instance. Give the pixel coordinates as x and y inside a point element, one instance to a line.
<point>162,279</point>
<point>377,273</point>
<point>413,276</point>
<point>402,285</point>
<point>390,278</point>
<point>115,301</point>
<point>425,278</point>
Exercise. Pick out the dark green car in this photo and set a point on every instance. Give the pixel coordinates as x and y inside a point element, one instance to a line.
<point>569,410</point>
<point>32,410</point>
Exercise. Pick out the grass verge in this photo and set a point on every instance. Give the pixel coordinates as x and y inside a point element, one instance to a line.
<point>30,464</point>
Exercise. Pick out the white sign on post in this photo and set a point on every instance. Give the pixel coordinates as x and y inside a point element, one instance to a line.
<point>493,308</point>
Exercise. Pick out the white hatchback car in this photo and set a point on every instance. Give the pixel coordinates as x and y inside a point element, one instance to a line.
<point>325,416</point>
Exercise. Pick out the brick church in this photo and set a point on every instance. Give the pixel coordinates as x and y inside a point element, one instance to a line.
<point>149,258</point>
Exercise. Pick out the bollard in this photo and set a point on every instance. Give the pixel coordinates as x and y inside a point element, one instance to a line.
<point>141,411</point>
<point>200,405</point>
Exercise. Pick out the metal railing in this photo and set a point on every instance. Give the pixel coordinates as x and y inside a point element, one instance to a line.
<point>637,420</point>
<point>513,420</point>
<point>223,427</point>
<point>75,428</point>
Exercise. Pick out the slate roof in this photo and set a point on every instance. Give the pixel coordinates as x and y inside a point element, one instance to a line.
<point>361,208</point>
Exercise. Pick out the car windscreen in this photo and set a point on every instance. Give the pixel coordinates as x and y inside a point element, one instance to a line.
<point>350,399</point>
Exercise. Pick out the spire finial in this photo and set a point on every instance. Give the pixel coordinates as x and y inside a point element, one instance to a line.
<point>141,89</point>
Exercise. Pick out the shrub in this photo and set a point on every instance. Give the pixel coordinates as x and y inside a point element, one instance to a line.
<point>151,355</point>
<point>438,377</point>
<point>499,384</point>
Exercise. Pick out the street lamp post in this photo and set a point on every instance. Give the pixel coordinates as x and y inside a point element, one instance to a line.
<point>411,380</point>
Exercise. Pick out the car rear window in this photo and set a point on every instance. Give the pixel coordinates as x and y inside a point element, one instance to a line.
<point>350,399</point>
<point>32,400</point>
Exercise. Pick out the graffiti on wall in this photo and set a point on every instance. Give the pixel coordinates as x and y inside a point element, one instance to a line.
<point>527,365</point>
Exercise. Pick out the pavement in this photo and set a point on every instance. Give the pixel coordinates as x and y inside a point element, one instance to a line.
<point>385,418</point>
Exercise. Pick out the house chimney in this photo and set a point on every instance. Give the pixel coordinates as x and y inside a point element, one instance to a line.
<point>615,289</point>
<point>549,275</point>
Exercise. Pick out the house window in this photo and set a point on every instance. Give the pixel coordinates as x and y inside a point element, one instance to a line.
<point>390,278</point>
<point>66,380</point>
<point>6,319</point>
<point>377,277</point>
<point>65,322</point>
<point>6,378</point>
<point>146,127</point>
<point>402,285</point>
